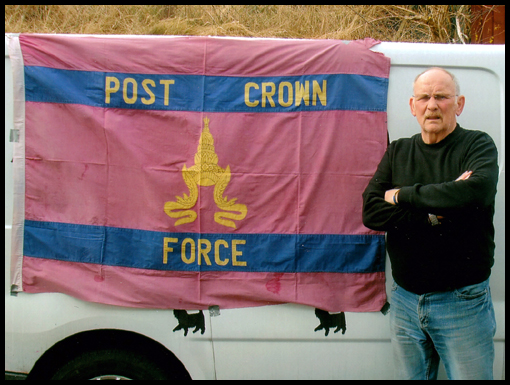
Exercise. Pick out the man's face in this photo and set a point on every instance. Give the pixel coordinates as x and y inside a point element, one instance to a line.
<point>435,105</point>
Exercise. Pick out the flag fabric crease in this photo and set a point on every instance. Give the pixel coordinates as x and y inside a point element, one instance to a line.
<point>187,172</point>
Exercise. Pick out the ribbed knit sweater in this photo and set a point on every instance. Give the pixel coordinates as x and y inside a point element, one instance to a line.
<point>459,251</point>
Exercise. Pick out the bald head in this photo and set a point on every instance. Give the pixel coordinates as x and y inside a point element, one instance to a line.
<point>457,87</point>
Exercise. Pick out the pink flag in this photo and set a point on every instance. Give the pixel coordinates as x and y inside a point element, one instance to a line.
<point>187,172</point>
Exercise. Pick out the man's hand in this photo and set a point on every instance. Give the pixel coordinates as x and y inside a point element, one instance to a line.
<point>388,195</point>
<point>464,176</point>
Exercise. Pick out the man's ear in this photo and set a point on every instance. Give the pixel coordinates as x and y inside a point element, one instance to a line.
<point>461,101</point>
<point>411,104</point>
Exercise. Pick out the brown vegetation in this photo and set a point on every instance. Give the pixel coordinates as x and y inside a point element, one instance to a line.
<point>416,23</point>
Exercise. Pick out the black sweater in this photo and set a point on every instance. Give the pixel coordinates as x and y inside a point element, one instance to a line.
<point>459,251</point>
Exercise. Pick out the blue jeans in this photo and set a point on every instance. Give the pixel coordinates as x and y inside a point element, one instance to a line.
<point>457,326</point>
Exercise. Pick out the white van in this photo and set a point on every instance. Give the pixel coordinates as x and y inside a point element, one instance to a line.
<point>52,335</point>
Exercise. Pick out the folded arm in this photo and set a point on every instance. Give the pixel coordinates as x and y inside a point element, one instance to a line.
<point>386,207</point>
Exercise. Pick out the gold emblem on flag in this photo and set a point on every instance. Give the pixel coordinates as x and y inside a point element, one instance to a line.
<point>206,172</point>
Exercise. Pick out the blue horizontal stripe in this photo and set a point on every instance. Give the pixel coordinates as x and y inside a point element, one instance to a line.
<point>207,93</point>
<point>155,250</point>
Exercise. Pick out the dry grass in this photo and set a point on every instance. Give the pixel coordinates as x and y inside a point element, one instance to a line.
<point>415,23</point>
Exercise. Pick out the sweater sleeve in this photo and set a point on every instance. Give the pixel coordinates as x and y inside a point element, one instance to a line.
<point>380,215</point>
<point>479,190</point>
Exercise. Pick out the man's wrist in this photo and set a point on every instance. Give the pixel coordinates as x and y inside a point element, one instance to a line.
<point>395,197</point>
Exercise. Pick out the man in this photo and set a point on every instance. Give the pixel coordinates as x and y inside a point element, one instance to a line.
<point>434,195</point>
